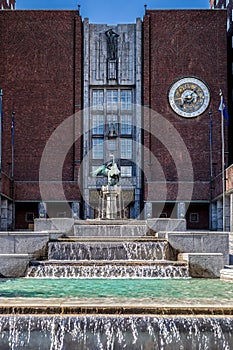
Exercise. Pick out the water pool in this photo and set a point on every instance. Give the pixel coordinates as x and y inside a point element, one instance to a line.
<point>119,288</point>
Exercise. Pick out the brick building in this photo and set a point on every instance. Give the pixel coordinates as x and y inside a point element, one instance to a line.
<point>84,92</point>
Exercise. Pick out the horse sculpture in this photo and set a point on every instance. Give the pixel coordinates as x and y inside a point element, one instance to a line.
<point>109,170</point>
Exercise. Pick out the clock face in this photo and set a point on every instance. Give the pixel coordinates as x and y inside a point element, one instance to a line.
<point>189,97</point>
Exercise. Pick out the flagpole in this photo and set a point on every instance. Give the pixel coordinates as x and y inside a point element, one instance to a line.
<point>223,164</point>
<point>211,167</point>
<point>1,97</point>
<point>13,144</point>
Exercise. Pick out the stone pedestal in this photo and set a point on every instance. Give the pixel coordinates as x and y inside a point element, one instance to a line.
<point>111,202</point>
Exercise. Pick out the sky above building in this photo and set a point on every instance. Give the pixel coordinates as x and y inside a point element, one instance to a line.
<point>111,12</point>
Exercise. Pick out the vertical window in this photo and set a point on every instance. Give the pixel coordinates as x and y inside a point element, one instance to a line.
<point>97,124</point>
<point>126,148</point>
<point>97,148</point>
<point>98,99</point>
<point>126,100</point>
<point>126,124</point>
<point>112,100</point>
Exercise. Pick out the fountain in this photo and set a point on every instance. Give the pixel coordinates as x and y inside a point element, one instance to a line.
<point>108,252</point>
<point>115,332</point>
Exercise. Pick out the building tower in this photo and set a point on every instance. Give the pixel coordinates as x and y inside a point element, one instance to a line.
<point>111,120</point>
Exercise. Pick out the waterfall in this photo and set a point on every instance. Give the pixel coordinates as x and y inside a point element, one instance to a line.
<point>157,250</point>
<point>115,332</point>
<point>109,259</point>
<point>108,270</point>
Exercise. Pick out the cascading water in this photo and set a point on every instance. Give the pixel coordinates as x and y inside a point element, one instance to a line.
<point>108,259</point>
<point>157,250</point>
<point>108,270</point>
<point>115,332</point>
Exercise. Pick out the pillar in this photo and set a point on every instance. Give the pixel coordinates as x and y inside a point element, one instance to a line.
<point>214,221</point>
<point>148,210</point>
<point>76,210</point>
<point>227,213</point>
<point>219,215</point>
<point>4,214</point>
<point>231,212</point>
<point>10,215</point>
<point>181,210</point>
<point>42,210</point>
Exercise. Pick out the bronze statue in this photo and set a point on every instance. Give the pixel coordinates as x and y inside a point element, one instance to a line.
<point>109,170</point>
<point>112,44</point>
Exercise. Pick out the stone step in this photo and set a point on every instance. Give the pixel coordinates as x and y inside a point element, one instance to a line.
<point>65,238</point>
<point>110,230</point>
<point>227,274</point>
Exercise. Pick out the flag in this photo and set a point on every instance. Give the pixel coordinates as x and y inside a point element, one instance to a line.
<point>12,127</point>
<point>223,108</point>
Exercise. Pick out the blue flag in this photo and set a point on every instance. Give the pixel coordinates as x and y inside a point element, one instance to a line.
<point>223,108</point>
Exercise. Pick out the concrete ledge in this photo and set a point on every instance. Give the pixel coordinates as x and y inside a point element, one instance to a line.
<point>227,273</point>
<point>199,242</point>
<point>110,230</point>
<point>24,243</point>
<point>157,225</point>
<point>206,265</point>
<point>64,225</point>
<point>114,307</point>
<point>14,265</point>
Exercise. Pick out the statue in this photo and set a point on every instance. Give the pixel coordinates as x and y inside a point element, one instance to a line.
<point>109,170</point>
<point>112,44</point>
<point>7,5</point>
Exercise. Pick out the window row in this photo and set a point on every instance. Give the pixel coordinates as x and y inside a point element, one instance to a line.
<point>111,125</point>
<point>125,145</point>
<point>114,99</point>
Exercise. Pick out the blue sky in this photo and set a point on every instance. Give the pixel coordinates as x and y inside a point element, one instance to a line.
<point>111,11</point>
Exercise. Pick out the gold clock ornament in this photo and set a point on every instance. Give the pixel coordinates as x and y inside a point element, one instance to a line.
<point>189,97</point>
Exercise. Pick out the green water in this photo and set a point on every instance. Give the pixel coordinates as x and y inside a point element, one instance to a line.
<point>107,288</point>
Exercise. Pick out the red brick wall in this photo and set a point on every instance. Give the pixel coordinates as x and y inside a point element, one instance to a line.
<point>183,43</point>
<point>40,74</point>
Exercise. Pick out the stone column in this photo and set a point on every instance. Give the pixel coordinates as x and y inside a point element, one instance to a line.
<point>181,210</point>
<point>231,212</point>
<point>10,215</point>
<point>4,214</point>
<point>227,213</point>
<point>213,219</point>
<point>219,215</point>
<point>42,210</point>
<point>76,210</point>
<point>148,210</point>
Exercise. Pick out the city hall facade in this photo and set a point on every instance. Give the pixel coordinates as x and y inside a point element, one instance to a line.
<point>77,94</point>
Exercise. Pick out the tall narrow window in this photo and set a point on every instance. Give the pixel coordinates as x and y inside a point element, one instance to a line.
<point>98,99</point>
<point>126,124</point>
<point>97,124</point>
<point>126,100</point>
<point>112,100</point>
<point>97,148</point>
<point>126,148</point>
